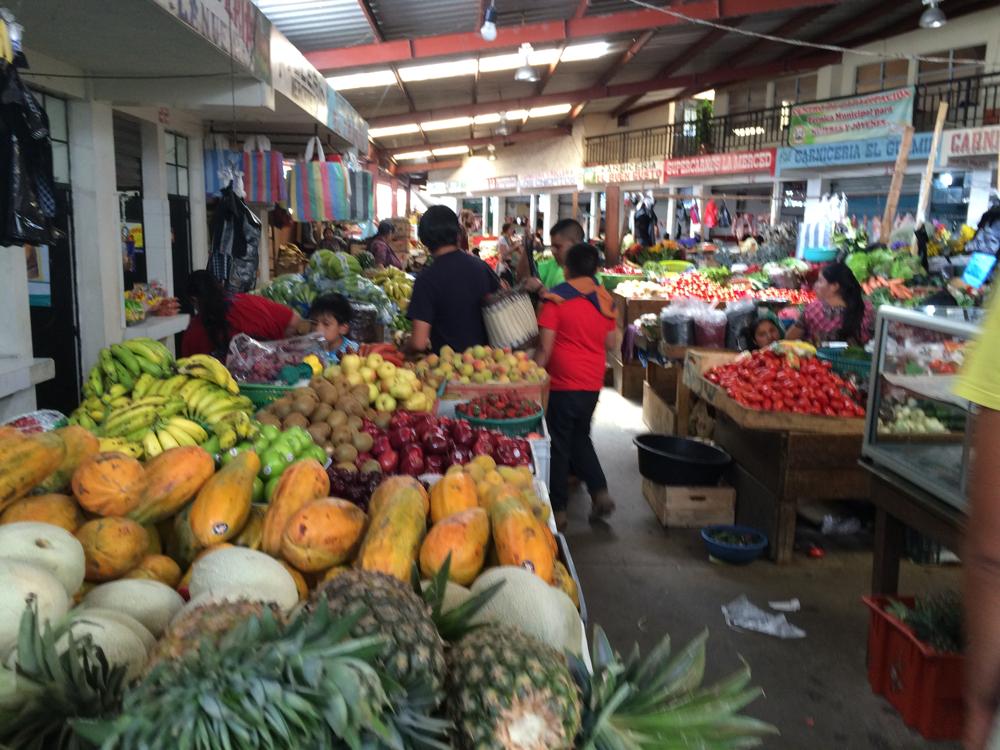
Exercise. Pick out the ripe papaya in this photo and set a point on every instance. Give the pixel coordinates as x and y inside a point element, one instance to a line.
<point>81,444</point>
<point>464,536</point>
<point>521,539</point>
<point>109,484</point>
<point>26,461</point>
<point>452,494</point>
<point>392,487</point>
<point>112,546</point>
<point>222,505</point>
<point>59,510</point>
<point>322,534</point>
<point>299,484</point>
<point>395,532</point>
<point>157,568</point>
<point>172,479</point>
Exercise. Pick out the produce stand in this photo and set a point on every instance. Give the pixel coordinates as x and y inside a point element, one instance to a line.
<point>900,504</point>
<point>779,459</point>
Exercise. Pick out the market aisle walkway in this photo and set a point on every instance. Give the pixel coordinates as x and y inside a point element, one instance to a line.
<point>640,580</point>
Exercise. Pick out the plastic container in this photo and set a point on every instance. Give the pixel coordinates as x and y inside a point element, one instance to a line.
<point>678,461</point>
<point>819,255</point>
<point>512,427</point>
<point>676,327</point>
<point>541,453</point>
<point>925,686</point>
<point>738,554</point>
<point>262,394</point>
<point>739,316</point>
<point>844,365</point>
<point>456,391</point>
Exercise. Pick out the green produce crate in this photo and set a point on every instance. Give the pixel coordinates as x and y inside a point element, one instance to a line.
<point>844,365</point>
<point>263,394</point>
<point>512,427</point>
<point>676,266</point>
<point>612,280</point>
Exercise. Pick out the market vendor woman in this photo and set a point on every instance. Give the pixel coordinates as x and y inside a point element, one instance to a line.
<point>840,312</point>
<point>220,315</point>
<point>446,305</point>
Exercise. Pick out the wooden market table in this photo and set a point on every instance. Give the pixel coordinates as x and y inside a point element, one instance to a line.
<point>900,504</point>
<point>779,459</point>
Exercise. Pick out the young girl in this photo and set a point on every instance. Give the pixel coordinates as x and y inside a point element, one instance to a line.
<point>764,331</point>
<point>840,312</point>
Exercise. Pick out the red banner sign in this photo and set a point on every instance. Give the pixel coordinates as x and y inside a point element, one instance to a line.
<point>735,162</point>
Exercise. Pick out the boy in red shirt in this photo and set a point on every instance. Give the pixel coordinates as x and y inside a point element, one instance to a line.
<point>576,328</point>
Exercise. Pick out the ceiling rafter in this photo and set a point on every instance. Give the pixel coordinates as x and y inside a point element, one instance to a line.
<point>496,140</point>
<point>705,79</point>
<point>366,10</point>
<point>588,26</point>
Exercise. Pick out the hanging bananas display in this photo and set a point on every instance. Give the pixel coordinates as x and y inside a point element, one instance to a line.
<point>397,285</point>
<point>140,402</point>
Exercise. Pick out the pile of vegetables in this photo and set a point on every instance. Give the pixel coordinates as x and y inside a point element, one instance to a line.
<point>787,379</point>
<point>883,263</point>
<point>909,418</point>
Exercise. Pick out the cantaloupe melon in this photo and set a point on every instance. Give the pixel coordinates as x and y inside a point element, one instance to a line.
<point>238,571</point>
<point>119,644</point>
<point>455,595</point>
<point>147,638</point>
<point>150,602</point>
<point>47,546</point>
<point>18,581</point>
<point>528,603</point>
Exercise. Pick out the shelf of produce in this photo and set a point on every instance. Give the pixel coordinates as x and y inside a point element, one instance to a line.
<point>935,387</point>
<point>21,373</point>
<point>158,327</point>
<point>699,362</point>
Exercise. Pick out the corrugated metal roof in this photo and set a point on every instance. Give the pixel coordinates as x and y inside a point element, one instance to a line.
<point>319,24</point>
<point>517,12</point>
<point>406,19</point>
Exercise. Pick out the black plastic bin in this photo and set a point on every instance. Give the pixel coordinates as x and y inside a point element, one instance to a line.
<point>677,461</point>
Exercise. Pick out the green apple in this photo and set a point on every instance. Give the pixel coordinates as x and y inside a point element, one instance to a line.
<point>386,371</point>
<point>244,446</point>
<point>314,451</point>
<point>270,432</point>
<point>374,361</point>
<point>272,463</point>
<point>368,374</point>
<point>401,391</point>
<point>350,363</point>
<point>269,487</point>
<point>373,391</point>
<point>385,402</point>
<point>257,494</point>
<point>354,378</point>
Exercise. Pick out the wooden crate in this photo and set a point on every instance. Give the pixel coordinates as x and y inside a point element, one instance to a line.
<point>699,361</point>
<point>629,378</point>
<point>663,380</point>
<point>659,416</point>
<point>690,507</point>
<point>629,309</point>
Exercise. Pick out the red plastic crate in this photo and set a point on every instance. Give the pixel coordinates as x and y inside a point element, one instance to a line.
<point>924,685</point>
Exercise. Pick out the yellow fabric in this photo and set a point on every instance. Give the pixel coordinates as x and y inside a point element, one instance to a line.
<point>979,380</point>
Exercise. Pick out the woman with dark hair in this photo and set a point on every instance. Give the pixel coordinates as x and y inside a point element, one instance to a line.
<point>840,312</point>
<point>381,249</point>
<point>219,315</point>
<point>764,331</point>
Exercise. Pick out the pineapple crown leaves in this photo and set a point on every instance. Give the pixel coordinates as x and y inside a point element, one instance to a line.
<point>308,684</point>
<point>658,702</point>
<point>935,619</point>
<point>50,687</point>
<point>455,623</point>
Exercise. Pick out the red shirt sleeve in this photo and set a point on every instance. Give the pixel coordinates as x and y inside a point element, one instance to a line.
<point>549,317</point>
<point>259,317</point>
<point>195,339</point>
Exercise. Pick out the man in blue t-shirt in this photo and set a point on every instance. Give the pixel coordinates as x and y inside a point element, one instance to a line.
<point>446,304</point>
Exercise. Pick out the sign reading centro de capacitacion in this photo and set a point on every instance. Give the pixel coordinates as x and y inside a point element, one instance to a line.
<point>851,117</point>
<point>736,162</point>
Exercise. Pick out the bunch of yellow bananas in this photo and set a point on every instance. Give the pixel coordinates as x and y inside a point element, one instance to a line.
<point>397,285</point>
<point>208,368</point>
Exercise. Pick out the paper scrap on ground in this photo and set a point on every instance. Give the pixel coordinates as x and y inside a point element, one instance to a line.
<point>792,605</point>
<point>742,614</point>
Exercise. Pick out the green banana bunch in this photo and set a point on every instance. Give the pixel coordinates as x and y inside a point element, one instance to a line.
<point>139,414</point>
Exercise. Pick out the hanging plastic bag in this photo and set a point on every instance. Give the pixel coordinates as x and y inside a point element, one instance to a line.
<point>677,324</point>
<point>695,216</point>
<point>725,218</point>
<point>739,315</point>
<point>709,327</point>
<point>234,254</point>
<point>711,214</point>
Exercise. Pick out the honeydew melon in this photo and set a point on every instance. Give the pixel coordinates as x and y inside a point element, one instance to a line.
<point>532,606</point>
<point>101,614</point>
<point>455,595</point>
<point>150,602</point>
<point>238,572</point>
<point>118,642</point>
<point>49,547</point>
<point>18,581</point>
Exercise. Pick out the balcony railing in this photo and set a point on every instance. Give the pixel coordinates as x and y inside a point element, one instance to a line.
<point>972,102</point>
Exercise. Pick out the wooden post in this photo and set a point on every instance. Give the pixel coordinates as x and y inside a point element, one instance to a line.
<point>897,184</point>
<point>925,186</point>
<point>576,207</point>
<point>612,239</point>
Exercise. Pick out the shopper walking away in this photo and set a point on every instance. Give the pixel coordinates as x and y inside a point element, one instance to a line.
<point>980,383</point>
<point>380,247</point>
<point>446,304</point>
<point>576,329</point>
<point>563,235</point>
<point>219,315</point>
<point>840,313</point>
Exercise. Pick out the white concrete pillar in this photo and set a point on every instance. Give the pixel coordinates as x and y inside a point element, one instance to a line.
<point>532,212</point>
<point>593,223</point>
<point>199,207</point>
<point>155,207</point>
<point>96,228</point>
<point>828,81</point>
<point>497,217</point>
<point>671,227</point>
<point>550,212</point>
<point>15,333</point>
<point>264,248</point>
<point>979,195</point>
<point>769,92</point>
<point>776,199</point>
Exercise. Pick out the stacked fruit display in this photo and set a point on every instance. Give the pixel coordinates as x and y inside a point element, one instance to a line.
<point>397,284</point>
<point>360,662</point>
<point>499,406</point>
<point>481,364</point>
<point>139,401</point>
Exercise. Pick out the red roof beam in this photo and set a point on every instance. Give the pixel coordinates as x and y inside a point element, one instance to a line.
<point>547,32</point>
<point>428,166</point>
<point>523,136</point>
<point>703,80</point>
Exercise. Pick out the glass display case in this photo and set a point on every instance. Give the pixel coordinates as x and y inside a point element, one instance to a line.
<point>916,426</point>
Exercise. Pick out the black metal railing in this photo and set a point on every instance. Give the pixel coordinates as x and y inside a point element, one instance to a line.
<point>737,132</point>
<point>972,102</point>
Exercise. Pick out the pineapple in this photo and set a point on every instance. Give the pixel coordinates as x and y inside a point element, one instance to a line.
<point>507,691</point>
<point>211,621</point>
<point>413,652</point>
<point>658,702</point>
<point>52,688</point>
<point>263,684</point>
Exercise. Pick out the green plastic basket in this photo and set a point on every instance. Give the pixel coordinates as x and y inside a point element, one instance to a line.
<point>676,266</point>
<point>612,280</point>
<point>513,427</point>
<point>843,365</point>
<point>262,394</point>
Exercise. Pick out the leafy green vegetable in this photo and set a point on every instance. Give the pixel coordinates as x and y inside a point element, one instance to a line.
<point>906,266</point>
<point>880,262</point>
<point>860,265</point>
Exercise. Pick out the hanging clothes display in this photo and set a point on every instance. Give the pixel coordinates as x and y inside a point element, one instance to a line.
<point>235,245</point>
<point>645,222</point>
<point>27,190</point>
<point>711,218</point>
<point>725,218</point>
<point>695,217</point>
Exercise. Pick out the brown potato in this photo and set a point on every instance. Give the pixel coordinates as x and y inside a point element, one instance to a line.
<point>336,419</point>
<point>294,420</point>
<point>319,432</point>
<point>320,413</point>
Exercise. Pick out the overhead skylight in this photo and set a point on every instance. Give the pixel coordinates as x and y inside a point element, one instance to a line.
<point>434,71</point>
<point>370,79</point>
<point>410,127</point>
<point>412,155</point>
<point>453,122</point>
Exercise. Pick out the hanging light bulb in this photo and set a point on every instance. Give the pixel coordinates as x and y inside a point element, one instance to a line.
<point>489,28</point>
<point>502,128</point>
<point>526,73</point>
<point>933,17</point>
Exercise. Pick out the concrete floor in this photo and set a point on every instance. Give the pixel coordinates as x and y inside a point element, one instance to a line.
<point>641,580</point>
